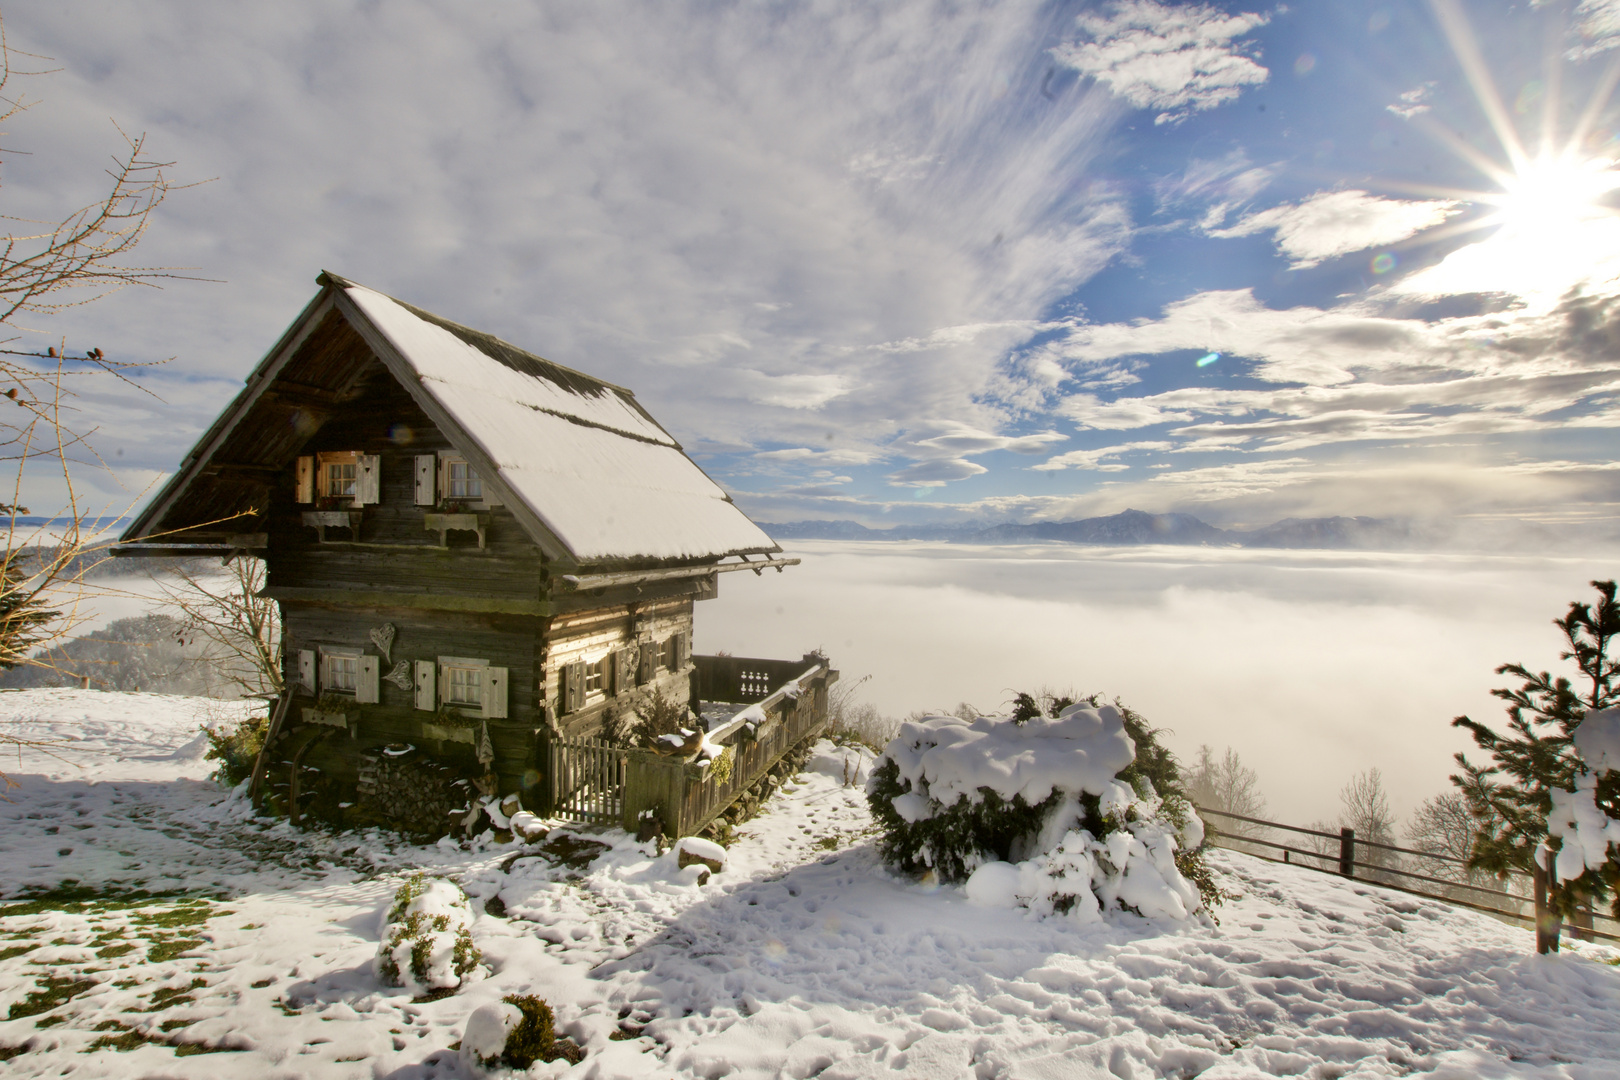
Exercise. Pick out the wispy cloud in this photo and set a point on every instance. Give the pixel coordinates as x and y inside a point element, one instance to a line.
<point>1176,59</point>
<point>1332,223</point>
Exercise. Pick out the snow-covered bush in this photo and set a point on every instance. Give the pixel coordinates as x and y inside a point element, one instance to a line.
<point>515,1033</point>
<point>1076,813</point>
<point>424,943</point>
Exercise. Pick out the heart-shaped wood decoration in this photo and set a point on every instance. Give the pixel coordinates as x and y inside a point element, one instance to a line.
<point>383,638</point>
<point>401,676</point>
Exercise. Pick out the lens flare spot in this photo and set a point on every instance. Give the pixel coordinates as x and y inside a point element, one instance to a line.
<point>1208,359</point>
<point>1383,263</point>
<point>1305,64</point>
<point>1529,95</point>
<point>401,435</point>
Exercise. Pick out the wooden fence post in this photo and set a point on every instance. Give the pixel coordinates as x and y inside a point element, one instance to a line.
<point>1347,852</point>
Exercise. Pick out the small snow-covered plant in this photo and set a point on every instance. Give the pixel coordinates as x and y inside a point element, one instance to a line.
<point>721,769</point>
<point>425,940</point>
<point>1078,811</point>
<point>515,1033</point>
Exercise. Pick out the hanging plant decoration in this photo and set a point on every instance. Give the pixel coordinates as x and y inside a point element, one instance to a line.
<point>383,638</point>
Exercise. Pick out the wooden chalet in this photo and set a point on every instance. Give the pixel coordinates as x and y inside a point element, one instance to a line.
<point>475,551</point>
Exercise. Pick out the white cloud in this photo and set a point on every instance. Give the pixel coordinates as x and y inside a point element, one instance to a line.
<point>733,204</point>
<point>1599,27</point>
<point>1176,59</point>
<point>1099,460</point>
<point>1332,223</point>
<point>1413,102</point>
<point>936,473</point>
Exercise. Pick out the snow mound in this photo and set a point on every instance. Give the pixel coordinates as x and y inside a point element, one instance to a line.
<point>425,937</point>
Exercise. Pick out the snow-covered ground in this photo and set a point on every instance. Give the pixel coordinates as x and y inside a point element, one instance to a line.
<point>803,957</point>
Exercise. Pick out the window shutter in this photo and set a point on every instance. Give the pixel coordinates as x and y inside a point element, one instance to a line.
<point>573,688</point>
<point>426,698</point>
<point>624,671</point>
<point>306,669</point>
<point>365,685</point>
<point>683,649</point>
<point>494,693</point>
<point>306,480</point>
<point>368,480</point>
<point>427,468</point>
<point>649,662</point>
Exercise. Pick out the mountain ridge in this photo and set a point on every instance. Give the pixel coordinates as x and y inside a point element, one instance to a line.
<point>1129,527</point>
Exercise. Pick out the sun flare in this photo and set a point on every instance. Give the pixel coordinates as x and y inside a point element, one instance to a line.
<point>1549,195</point>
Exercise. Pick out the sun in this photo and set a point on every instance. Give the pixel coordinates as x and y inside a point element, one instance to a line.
<point>1551,194</point>
<point>1549,226</point>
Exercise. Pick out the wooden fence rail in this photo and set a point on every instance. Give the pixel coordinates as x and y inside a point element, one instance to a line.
<point>1390,875</point>
<point>687,796</point>
<point>598,783</point>
<point>586,780</point>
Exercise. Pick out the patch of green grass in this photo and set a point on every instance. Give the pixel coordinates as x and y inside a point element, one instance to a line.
<point>9,1052</point>
<point>170,996</point>
<point>116,950</point>
<point>54,990</point>
<point>188,1049</point>
<point>828,843</point>
<point>51,1021</point>
<point>17,950</point>
<point>126,1040</point>
<point>175,1025</point>
<point>262,983</point>
<point>79,899</point>
<point>184,913</point>
<point>164,950</point>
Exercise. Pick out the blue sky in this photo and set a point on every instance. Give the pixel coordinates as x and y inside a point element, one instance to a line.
<point>910,261</point>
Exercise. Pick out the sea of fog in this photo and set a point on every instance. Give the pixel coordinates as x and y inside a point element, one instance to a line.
<point>1313,665</point>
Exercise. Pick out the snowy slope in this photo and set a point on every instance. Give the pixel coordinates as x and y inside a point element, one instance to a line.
<point>803,957</point>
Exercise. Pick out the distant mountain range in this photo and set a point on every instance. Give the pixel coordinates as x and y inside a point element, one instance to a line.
<point>1131,527</point>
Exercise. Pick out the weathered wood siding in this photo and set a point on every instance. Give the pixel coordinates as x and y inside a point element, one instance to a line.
<point>588,635</point>
<point>504,641</point>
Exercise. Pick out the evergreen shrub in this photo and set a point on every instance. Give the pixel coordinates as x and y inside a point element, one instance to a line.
<point>236,749</point>
<point>1079,804</point>
<point>425,940</point>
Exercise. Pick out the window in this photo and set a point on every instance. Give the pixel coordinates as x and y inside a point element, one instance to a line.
<point>461,482</point>
<point>340,671</point>
<point>340,479</point>
<point>344,476</point>
<point>475,687</point>
<point>595,680</point>
<point>669,653</point>
<point>463,685</point>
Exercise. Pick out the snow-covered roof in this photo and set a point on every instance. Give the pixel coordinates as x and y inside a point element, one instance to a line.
<point>590,475</point>
<point>581,454</point>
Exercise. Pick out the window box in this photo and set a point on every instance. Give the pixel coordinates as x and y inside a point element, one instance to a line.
<point>321,520</point>
<point>448,734</point>
<point>444,523</point>
<point>323,716</point>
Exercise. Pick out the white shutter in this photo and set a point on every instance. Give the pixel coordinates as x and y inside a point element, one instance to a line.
<point>494,693</point>
<point>427,469</point>
<point>365,685</point>
<point>306,669</point>
<point>368,480</point>
<point>426,699</point>
<point>306,480</point>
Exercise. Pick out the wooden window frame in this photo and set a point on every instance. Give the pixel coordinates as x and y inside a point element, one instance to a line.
<point>447,664</point>
<point>485,499</point>
<point>329,653</point>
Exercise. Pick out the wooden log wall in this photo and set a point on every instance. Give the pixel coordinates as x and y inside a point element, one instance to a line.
<point>588,635</point>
